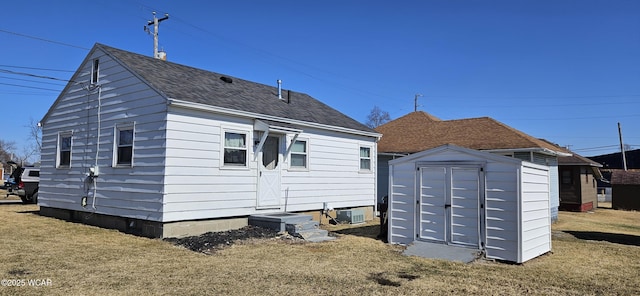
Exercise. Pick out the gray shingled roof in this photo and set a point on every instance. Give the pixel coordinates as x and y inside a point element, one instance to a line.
<point>190,84</point>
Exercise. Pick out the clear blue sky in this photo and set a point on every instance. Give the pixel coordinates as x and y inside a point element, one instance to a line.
<point>567,71</point>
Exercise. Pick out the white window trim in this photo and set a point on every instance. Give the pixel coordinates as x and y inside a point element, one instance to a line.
<point>116,141</point>
<point>360,169</point>
<point>58,149</point>
<point>248,145</point>
<point>297,168</point>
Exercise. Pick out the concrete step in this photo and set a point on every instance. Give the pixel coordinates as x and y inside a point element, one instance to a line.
<point>311,234</point>
<point>306,225</point>
<point>302,226</point>
<point>277,221</point>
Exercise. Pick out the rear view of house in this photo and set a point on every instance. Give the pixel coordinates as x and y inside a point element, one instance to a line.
<point>161,149</point>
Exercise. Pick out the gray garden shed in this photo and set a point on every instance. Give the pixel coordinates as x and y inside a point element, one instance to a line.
<point>468,198</point>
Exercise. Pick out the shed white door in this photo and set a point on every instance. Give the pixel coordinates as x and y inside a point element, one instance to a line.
<point>433,194</point>
<point>269,174</point>
<point>449,199</point>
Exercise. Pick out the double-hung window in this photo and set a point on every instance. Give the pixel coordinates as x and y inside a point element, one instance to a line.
<point>64,150</point>
<point>124,145</point>
<point>365,158</point>
<point>299,155</point>
<point>235,149</point>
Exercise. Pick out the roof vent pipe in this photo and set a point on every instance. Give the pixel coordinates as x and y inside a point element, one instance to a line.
<point>279,89</point>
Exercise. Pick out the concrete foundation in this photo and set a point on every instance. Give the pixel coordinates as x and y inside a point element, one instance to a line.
<point>154,229</point>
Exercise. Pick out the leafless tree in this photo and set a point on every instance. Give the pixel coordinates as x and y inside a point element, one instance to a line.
<point>7,152</point>
<point>377,117</point>
<point>32,150</point>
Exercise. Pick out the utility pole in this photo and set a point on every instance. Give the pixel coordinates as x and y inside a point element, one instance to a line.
<point>415,102</point>
<point>156,24</point>
<point>624,157</point>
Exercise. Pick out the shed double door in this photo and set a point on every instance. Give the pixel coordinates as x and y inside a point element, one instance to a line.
<point>448,205</point>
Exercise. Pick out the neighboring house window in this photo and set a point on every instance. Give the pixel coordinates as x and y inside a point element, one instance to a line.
<point>64,150</point>
<point>299,154</point>
<point>567,177</point>
<point>95,72</point>
<point>365,158</point>
<point>124,145</point>
<point>235,149</point>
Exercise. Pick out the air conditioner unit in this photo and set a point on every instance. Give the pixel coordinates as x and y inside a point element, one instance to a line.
<point>351,216</point>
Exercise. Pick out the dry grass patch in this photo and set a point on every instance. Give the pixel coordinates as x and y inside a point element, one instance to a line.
<point>3,196</point>
<point>85,260</point>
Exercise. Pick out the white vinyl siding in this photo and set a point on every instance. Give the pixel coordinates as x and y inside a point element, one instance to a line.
<point>333,175</point>
<point>198,186</point>
<point>123,191</point>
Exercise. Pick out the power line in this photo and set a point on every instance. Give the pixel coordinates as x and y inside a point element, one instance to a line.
<point>572,118</point>
<point>33,87</point>
<point>33,75</point>
<point>24,93</point>
<point>34,68</point>
<point>533,97</point>
<point>596,148</point>
<point>43,39</point>
<point>272,55</point>
<point>5,77</point>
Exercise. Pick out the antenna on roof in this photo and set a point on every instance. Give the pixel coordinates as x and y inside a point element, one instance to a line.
<point>415,102</point>
<point>156,24</point>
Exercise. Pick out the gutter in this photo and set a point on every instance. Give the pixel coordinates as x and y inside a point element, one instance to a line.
<point>539,150</point>
<point>251,115</point>
<point>394,154</point>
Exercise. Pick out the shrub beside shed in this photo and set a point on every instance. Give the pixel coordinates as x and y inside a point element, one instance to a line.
<point>462,197</point>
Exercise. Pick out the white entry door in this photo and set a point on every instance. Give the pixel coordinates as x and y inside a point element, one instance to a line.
<point>269,174</point>
<point>449,204</point>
